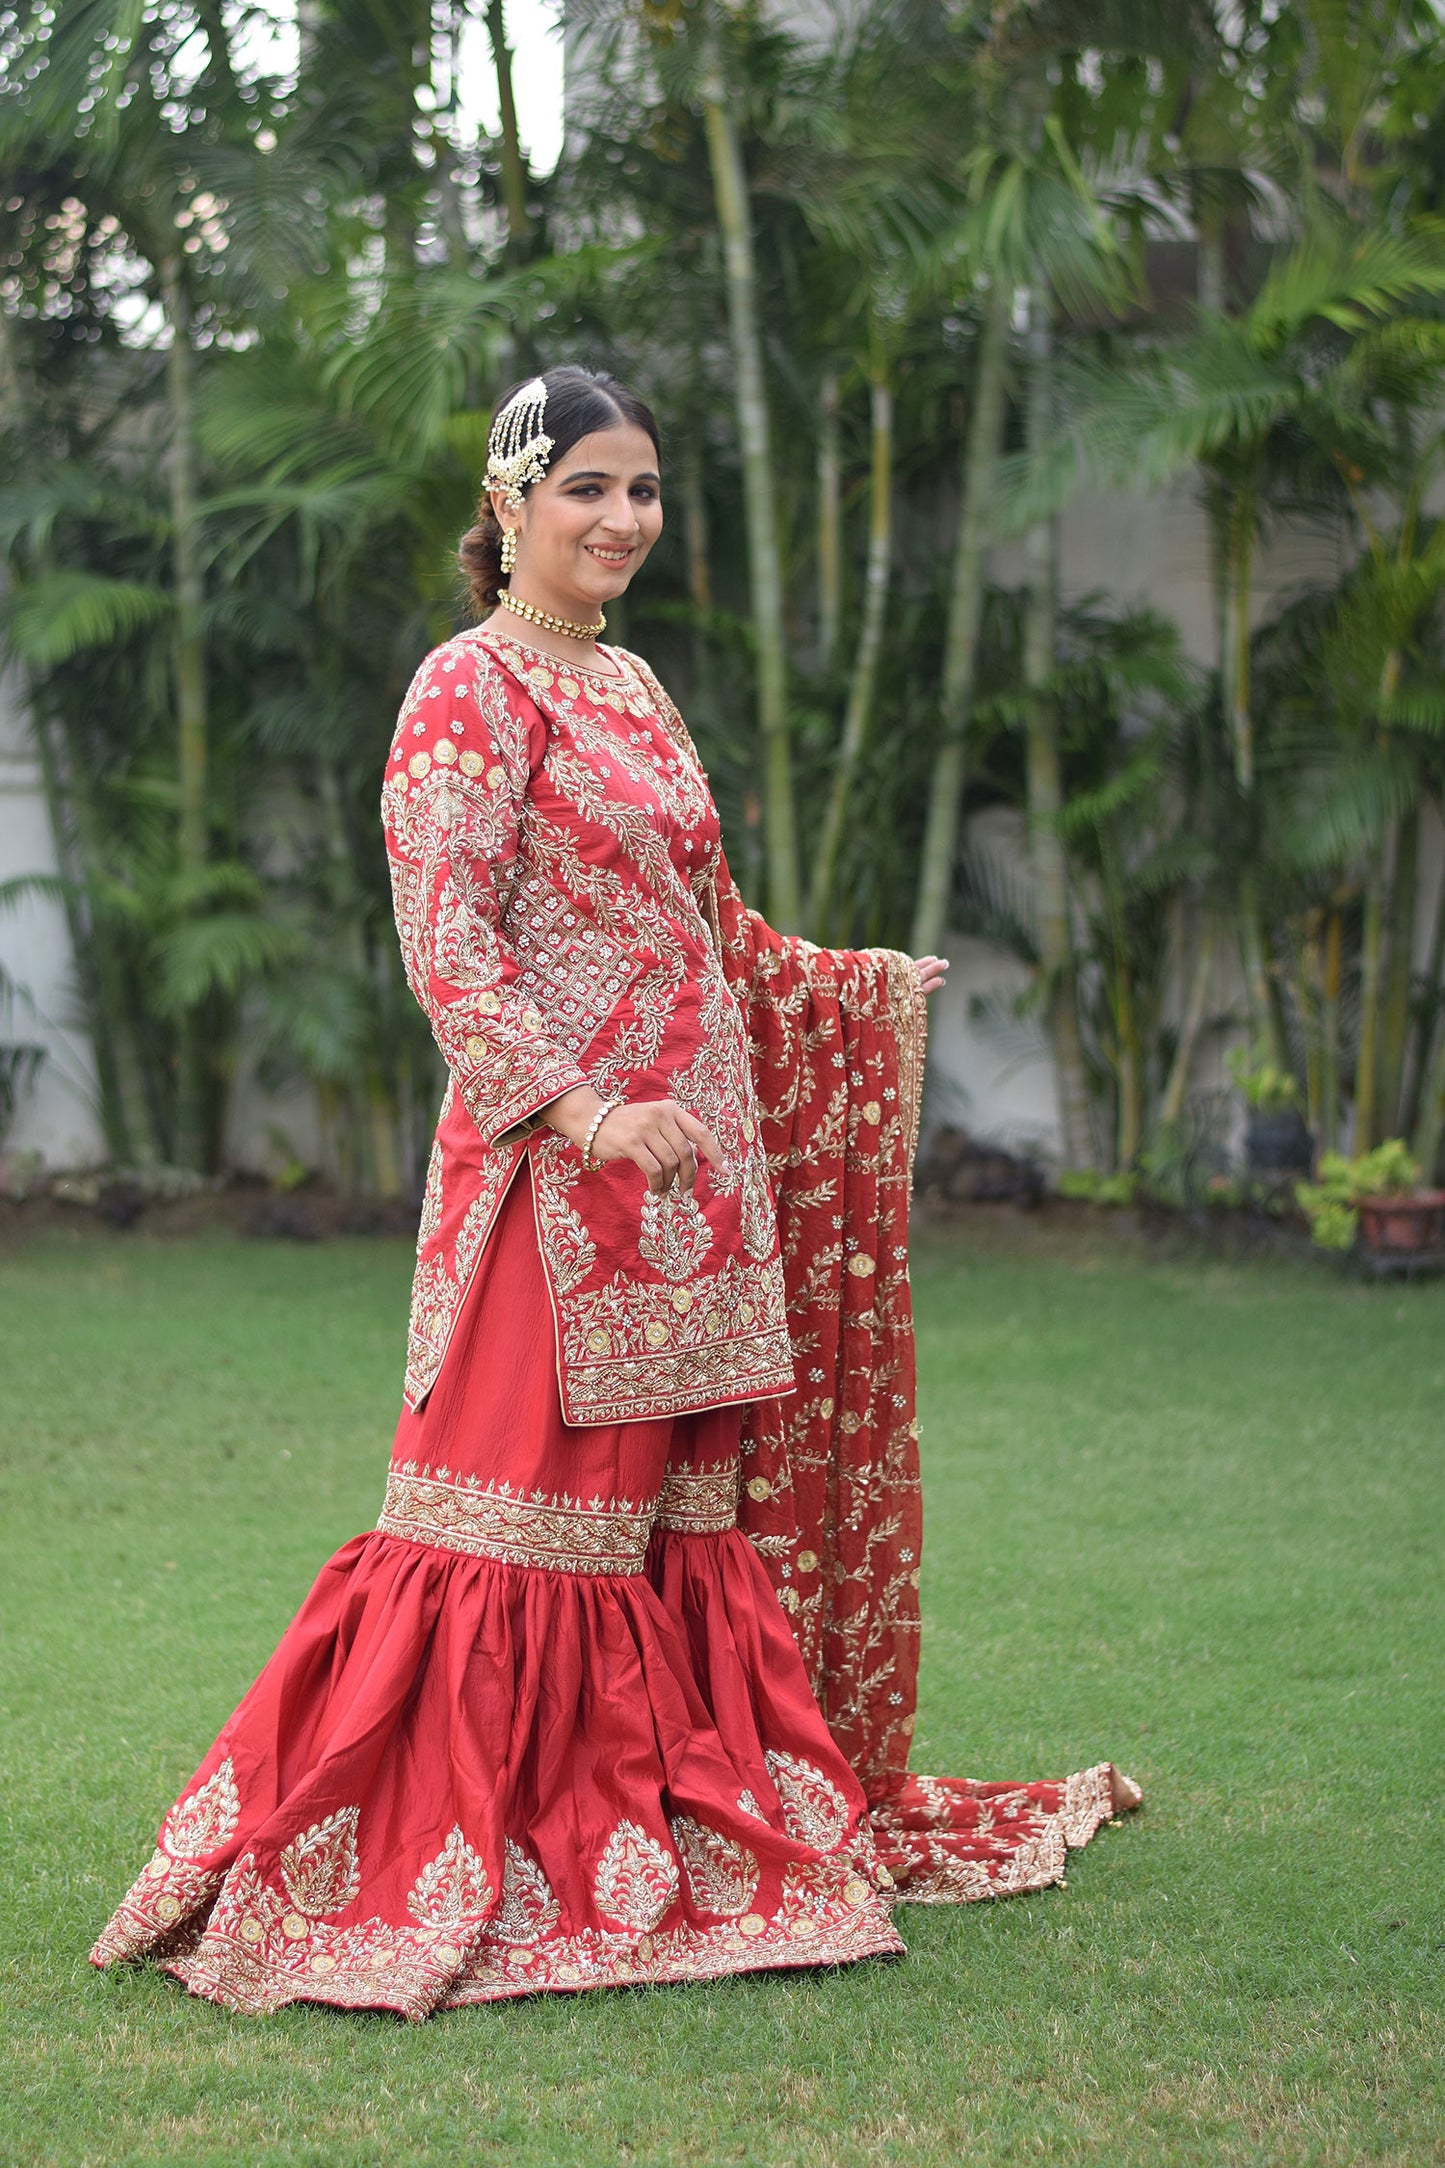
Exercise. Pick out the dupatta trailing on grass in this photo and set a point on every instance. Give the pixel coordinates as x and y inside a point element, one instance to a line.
<point>831,1494</point>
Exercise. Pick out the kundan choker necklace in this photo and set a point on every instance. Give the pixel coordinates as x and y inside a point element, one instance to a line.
<point>567,626</point>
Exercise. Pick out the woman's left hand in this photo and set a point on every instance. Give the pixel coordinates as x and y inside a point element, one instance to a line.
<point>932,970</point>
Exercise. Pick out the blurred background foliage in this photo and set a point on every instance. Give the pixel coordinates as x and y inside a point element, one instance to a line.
<point>900,283</point>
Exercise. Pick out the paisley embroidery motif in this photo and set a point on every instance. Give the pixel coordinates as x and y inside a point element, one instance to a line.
<point>452,1891</point>
<point>814,1810</point>
<point>722,1875</point>
<point>202,1823</point>
<point>528,1910</point>
<point>319,1869</point>
<point>636,1878</point>
<point>675,1237</point>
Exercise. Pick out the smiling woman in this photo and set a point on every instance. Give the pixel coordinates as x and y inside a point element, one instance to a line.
<point>621,1686</point>
<point>571,508</point>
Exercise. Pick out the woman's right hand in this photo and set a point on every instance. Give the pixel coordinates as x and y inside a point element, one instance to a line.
<point>657,1135</point>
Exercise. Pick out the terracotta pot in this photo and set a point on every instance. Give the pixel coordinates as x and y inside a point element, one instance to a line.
<point>1415,1222</point>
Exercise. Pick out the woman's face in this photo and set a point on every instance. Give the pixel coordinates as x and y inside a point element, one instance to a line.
<point>584,529</point>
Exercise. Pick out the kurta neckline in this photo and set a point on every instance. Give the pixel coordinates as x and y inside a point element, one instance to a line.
<point>556,662</point>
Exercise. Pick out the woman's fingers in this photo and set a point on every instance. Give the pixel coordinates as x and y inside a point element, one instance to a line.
<point>698,1134</point>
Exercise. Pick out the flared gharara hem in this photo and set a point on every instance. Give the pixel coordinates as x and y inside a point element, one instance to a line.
<point>459,1779</point>
<point>947,1841</point>
<point>448,1978</point>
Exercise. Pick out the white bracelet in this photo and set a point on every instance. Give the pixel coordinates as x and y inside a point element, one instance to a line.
<point>592,1128</point>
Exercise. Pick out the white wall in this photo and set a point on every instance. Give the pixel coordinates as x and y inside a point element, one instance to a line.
<point>58,1118</point>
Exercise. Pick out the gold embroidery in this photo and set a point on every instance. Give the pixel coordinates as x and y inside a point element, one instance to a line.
<point>699,1501</point>
<point>629,1351</point>
<point>319,1868</point>
<point>722,1875</point>
<point>675,1237</point>
<point>636,1878</point>
<point>452,1891</point>
<point>814,1810</point>
<point>564,1534</point>
<point>528,1910</point>
<point>247,1962</point>
<point>203,1822</point>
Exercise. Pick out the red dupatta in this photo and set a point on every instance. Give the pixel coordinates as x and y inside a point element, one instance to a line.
<point>831,1494</point>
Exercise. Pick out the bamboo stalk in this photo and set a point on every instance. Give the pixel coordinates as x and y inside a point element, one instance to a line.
<point>1395,997</point>
<point>864,676</point>
<point>192,719</point>
<point>730,191</point>
<point>1330,1032</point>
<point>830,523</point>
<point>1367,1056</point>
<point>965,619</point>
<point>514,165</point>
<point>1432,1021</point>
<point>1171,1104</point>
<point>1044,780</point>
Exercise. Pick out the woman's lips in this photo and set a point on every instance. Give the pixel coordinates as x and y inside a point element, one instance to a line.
<point>607,557</point>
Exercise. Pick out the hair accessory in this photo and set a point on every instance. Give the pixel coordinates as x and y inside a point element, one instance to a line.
<point>518,446</point>
<point>592,1128</point>
<point>567,626</point>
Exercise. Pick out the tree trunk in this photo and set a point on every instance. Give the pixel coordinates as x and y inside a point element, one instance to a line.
<point>965,618</point>
<point>191,689</point>
<point>1171,1104</point>
<point>1431,1127</point>
<point>830,524</point>
<point>780,843</point>
<point>864,676</point>
<point>1045,773</point>
<point>1367,1059</point>
<point>1236,689</point>
<point>514,165</point>
<point>1395,1002</point>
<point>699,573</point>
<point>1432,1020</point>
<point>1330,1032</point>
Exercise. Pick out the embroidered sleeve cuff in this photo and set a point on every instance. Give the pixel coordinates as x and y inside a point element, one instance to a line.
<point>496,1118</point>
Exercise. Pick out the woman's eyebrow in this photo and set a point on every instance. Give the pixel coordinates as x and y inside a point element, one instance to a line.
<point>599,474</point>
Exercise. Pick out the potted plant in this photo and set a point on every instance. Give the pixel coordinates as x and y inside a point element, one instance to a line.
<point>1276,1140</point>
<point>1378,1195</point>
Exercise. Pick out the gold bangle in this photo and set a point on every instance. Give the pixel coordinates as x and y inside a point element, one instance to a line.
<point>593,1126</point>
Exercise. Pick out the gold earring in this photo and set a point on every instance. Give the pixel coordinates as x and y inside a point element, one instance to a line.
<point>509,549</point>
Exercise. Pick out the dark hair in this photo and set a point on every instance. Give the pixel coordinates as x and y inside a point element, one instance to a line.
<point>578,401</point>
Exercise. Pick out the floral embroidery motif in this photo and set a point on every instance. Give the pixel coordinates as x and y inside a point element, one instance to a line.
<point>620,1345</point>
<point>722,1875</point>
<point>814,1810</point>
<point>528,1910</point>
<point>636,1878</point>
<point>320,1869</point>
<point>202,1823</point>
<point>452,1891</point>
<point>566,1535</point>
<point>431,1203</point>
<point>675,1237</point>
<point>699,1501</point>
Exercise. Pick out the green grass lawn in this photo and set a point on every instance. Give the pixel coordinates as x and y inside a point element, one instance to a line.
<point>1188,1517</point>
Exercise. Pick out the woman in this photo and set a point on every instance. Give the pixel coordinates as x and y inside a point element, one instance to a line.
<point>561,1720</point>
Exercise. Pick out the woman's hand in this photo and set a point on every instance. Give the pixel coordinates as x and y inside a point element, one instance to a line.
<point>657,1135</point>
<point>932,970</point>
